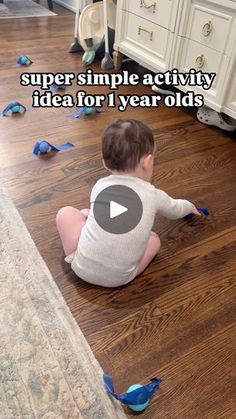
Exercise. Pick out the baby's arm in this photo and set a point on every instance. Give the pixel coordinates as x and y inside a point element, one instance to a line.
<point>173,208</point>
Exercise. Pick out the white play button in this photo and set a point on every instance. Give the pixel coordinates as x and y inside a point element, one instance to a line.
<point>116,209</point>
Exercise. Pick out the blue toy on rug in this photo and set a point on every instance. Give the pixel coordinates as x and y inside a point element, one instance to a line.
<point>13,107</point>
<point>137,396</point>
<point>43,147</point>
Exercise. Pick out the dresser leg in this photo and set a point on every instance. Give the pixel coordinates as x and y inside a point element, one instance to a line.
<point>117,58</point>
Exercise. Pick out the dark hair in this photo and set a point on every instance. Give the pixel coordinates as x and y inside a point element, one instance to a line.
<point>124,142</point>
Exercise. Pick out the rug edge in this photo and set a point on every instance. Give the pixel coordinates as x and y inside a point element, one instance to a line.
<point>67,318</point>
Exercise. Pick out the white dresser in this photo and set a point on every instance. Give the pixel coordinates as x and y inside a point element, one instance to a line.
<point>183,34</point>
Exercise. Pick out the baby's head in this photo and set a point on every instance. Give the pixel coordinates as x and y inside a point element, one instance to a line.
<point>128,148</point>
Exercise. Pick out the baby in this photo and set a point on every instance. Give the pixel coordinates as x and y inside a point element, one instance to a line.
<point>112,260</point>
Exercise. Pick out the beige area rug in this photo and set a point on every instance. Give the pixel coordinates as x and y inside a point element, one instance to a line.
<point>47,369</point>
<point>22,8</point>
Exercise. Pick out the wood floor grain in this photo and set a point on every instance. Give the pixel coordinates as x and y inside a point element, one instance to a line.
<point>177,320</point>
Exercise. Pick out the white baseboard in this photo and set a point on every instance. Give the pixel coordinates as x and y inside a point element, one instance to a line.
<point>68,4</point>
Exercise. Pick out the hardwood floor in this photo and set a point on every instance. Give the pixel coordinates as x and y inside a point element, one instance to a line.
<point>177,320</point>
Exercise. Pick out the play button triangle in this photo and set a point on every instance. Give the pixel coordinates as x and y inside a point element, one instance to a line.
<point>116,209</point>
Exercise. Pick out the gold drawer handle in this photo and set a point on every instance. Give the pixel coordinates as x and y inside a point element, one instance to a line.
<point>143,4</point>
<point>140,29</point>
<point>200,61</point>
<point>207,29</point>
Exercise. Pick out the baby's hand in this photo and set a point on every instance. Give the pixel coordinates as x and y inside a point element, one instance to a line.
<point>195,211</point>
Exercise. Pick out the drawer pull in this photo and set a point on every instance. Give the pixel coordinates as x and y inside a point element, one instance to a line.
<point>140,29</point>
<point>200,61</point>
<point>143,4</point>
<point>207,29</point>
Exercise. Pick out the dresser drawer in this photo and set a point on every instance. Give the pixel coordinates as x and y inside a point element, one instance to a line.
<point>200,57</point>
<point>207,60</point>
<point>143,40</point>
<point>162,12</point>
<point>209,26</point>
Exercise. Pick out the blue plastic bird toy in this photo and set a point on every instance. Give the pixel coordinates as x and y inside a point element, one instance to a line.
<point>85,110</point>
<point>14,107</point>
<point>137,396</point>
<point>23,60</point>
<point>203,211</point>
<point>43,147</point>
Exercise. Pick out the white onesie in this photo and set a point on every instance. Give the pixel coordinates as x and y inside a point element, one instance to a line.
<point>111,260</point>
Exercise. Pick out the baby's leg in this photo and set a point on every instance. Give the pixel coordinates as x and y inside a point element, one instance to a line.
<point>70,222</point>
<point>153,247</point>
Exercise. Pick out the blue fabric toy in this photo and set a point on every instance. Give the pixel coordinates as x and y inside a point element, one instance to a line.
<point>85,110</point>
<point>43,147</point>
<point>137,397</point>
<point>14,107</point>
<point>203,211</point>
<point>23,60</point>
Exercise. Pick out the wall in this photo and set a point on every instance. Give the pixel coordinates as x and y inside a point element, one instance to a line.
<point>72,4</point>
<point>69,4</point>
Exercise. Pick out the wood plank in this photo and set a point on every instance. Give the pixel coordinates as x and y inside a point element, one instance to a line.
<point>173,283</point>
<point>176,339</point>
<point>194,386</point>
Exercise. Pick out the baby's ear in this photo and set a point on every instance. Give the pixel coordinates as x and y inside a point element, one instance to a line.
<point>104,165</point>
<point>147,161</point>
